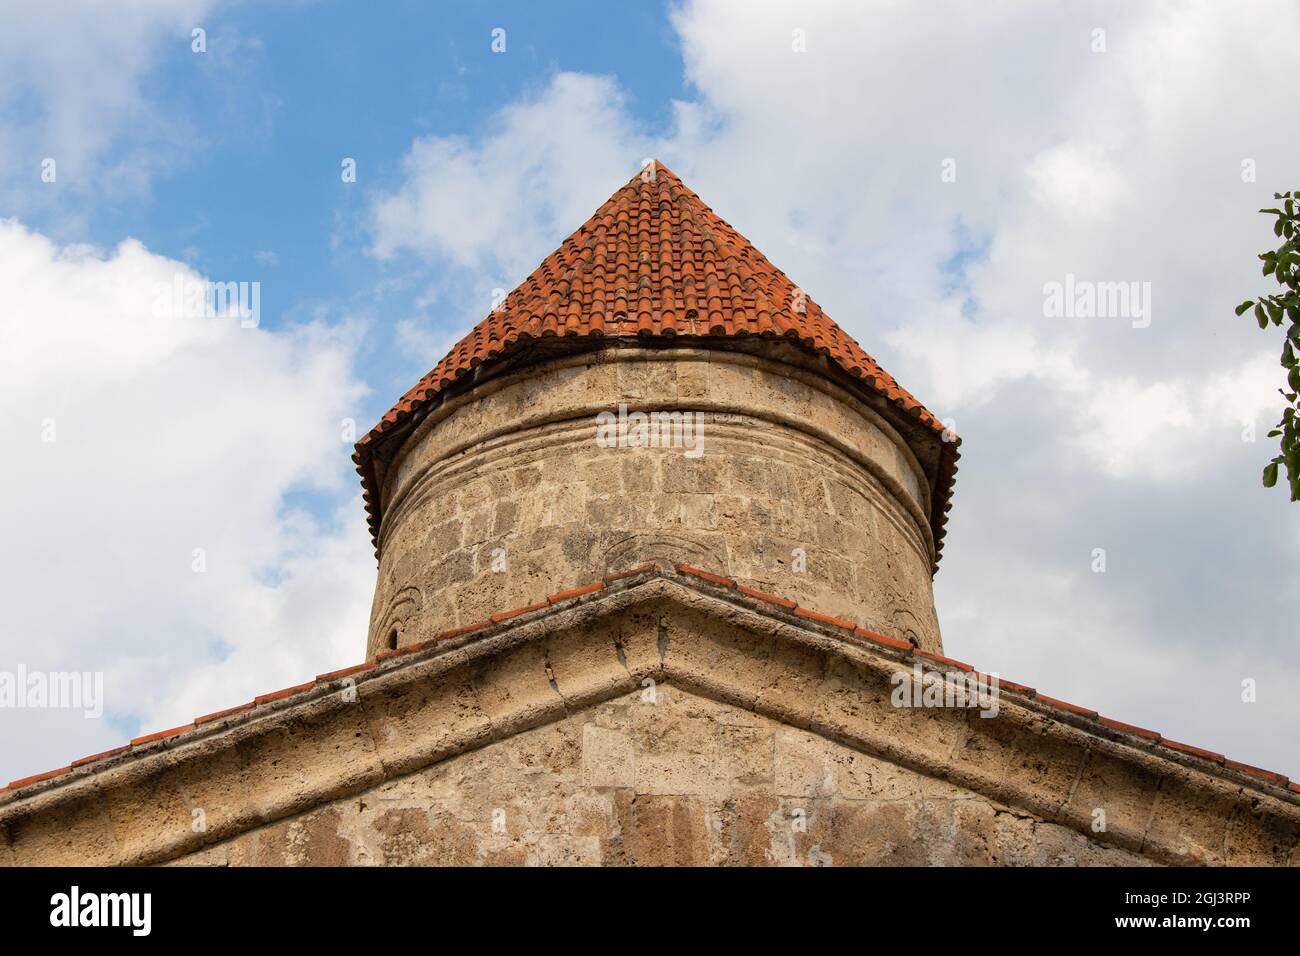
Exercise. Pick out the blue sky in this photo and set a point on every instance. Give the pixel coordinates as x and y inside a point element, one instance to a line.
<point>1125,163</point>
<point>284,93</point>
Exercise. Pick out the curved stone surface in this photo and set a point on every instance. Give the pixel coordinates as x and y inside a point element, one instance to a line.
<point>504,495</point>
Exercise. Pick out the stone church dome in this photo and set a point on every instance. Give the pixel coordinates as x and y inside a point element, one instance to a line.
<point>804,467</point>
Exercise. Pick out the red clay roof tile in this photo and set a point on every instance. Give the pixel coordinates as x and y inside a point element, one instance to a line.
<point>160,734</point>
<point>466,629</point>
<point>217,715</point>
<point>82,761</point>
<point>631,572</point>
<point>1016,688</point>
<point>694,276</point>
<point>1255,771</point>
<point>1131,728</point>
<point>1194,751</point>
<point>769,598</point>
<point>576,592</point>
<point>284,692</point>
<point>706,575</point>
<point>345,672</point>
<point>507,615</point>
<point>1066,705</point>
<point>883,639</point>
<point>37,778</point>
<point>825,618</point>
<point>939,658</point>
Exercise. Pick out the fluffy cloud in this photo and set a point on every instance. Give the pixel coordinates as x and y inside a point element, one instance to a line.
<point>544,168</point>
<point>1122,165</point>
<point>151,463</point>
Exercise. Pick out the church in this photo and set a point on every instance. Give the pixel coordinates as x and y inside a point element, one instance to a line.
<point>717,648</point>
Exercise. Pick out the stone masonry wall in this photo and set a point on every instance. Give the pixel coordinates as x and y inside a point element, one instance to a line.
<point>504,496</point>
<point>683,780</point>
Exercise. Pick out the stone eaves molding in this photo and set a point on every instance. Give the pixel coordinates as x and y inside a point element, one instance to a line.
<point>338,737</point>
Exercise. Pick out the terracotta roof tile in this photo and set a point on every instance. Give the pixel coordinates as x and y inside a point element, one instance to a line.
<point>507,615</point>
<point>1194,751</point>
<point>1016,688</point>
<point>769,598</point>
<point>576,592</point>
<point>82,761</point>
<point>883,639</point>
<point>228,712</point>
<point>1066,705</point>
<point>37,778</point>
<point>706,575</point>
<point>160,734</point>
<point>1255,771</point>
<point>466,629</point>
<point>940,659</point>
<point>1130,728</point>
<point>631,572</point>
<point>284,692</point>
<point>825,618</point>
<point>345,672</point>
<point>654,261</point>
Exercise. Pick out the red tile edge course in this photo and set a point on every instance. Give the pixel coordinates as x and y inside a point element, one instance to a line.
<point>884,639</point>
<point>1130,728</point>
<point>1255,771</point>
<point>1066,705</point>
<point>1151,736</point>
<point>283,693</point>
<point>82,761</point>
<point>576,592</point>
<point>769,598</point>
<point>161,734</point>
<point>940,659</point>
<point>37,778</point>
<point>631,572</point>
<point>1209,755</point>
<point>346,672</point>
<point>707,576</point>
<point>217,715</point>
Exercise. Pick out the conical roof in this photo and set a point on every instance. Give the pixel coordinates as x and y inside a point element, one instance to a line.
<point>655,262</point>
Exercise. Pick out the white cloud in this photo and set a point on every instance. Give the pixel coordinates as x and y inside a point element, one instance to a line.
<point>545,166</point>
<point>170,434</point>
<point>74,87</point>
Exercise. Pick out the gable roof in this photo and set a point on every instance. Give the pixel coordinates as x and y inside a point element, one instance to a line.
<point>655,262</point>
<point>783,610</point>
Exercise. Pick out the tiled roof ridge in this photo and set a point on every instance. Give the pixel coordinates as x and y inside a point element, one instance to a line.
<point>771,604</point>
<point>718,286</point>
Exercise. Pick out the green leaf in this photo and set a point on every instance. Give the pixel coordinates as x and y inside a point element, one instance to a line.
<point>1270,474</point>
<point>1245,305</point>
